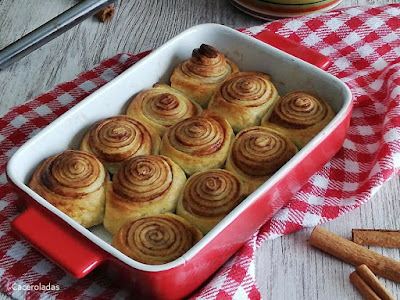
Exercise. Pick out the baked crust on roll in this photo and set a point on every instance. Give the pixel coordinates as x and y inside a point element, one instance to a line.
<point>198,143</point>
<point>144,185</point>
<point>156,239</point>
<point>300,116</point>
<point>257,153</point>
<point>161,107</point>
<point>75,183</point>
<point>244,98</point>
<point>116,139</point>
<point>209,196</point>
<point>199,76</point>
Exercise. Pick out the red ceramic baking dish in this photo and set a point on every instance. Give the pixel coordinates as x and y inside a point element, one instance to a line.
<point>78,250</point>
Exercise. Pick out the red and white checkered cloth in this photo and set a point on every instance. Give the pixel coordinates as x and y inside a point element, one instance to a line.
<point>364,45</point>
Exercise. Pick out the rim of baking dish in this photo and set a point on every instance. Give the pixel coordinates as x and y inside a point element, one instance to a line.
<point>341,114</point>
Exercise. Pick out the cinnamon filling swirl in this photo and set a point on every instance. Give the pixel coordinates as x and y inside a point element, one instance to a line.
<point>197,136</point>
<point>299,110</point>
<point>258,151</point>
<point>207,62</point>
<point>166,109</point>
<point>118,138</point>
<point>212,193</point>
<point>73,174</point>
<point>156,239</point>
<point>247,89</point>
<point>143,178</point>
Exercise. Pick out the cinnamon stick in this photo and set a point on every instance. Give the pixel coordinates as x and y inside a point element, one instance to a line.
<point>106,14</point>
<point>371,237</point>
<point>355,254</point>
<point>362,287</point>
<point>370,279</point>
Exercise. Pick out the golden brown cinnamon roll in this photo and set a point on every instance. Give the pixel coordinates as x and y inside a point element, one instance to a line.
<point>198,143</point>
<point>257,153</point>
<point>156,239</point>
<point>161,107</point>
<point>209,196</point>
<point>116,139</point>
<point>74,182</point>
<point>199,76</point>
<point>244,98</point>
<point>300,116</point>
<point>144,185</point>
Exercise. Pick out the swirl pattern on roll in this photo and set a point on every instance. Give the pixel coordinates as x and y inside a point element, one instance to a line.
<point>143,185</point>
<point>300,116</point>
<point>199,76</point>
<point>250,89</point>
<point>207,63</point>
<point>116,139</point>
<point>212,193</point>
<point>197,136</point>
<point>73,174</point>
<point>258,151</point>
<point>162,107</point>
<point>198,143</point>
<point>156,239</point>
<point>166,109</point>
<point>143,178</point>
<point>244,98</point>
<point>299,110</point>
<point>75,183</point>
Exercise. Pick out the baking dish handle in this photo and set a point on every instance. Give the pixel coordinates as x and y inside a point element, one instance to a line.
<point>291,47</point>
<point>61,243</point>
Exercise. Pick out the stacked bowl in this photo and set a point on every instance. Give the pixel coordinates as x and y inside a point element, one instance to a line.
<point>272,9</point>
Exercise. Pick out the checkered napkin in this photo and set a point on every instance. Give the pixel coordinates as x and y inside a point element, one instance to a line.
<point>364,45</point>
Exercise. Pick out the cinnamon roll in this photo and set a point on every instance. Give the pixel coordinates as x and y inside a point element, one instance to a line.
<point>116,139</point>
<point>199,76</point>
<point>244,98</point>
<point>161,107</point>
<point>144,185</point>
<point>198,143</point>
<point>257,153</point>
<point>209,196</point>
<point>300,116</point>
<point>156,239</point>
<point>75,183</point>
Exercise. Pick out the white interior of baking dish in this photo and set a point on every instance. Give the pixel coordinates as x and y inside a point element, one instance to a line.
<point>287,73</point>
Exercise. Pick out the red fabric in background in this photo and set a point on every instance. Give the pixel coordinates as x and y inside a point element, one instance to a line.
<point>364,45</point>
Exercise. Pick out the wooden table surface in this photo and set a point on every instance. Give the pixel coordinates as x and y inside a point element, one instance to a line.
<point>287,267</point>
